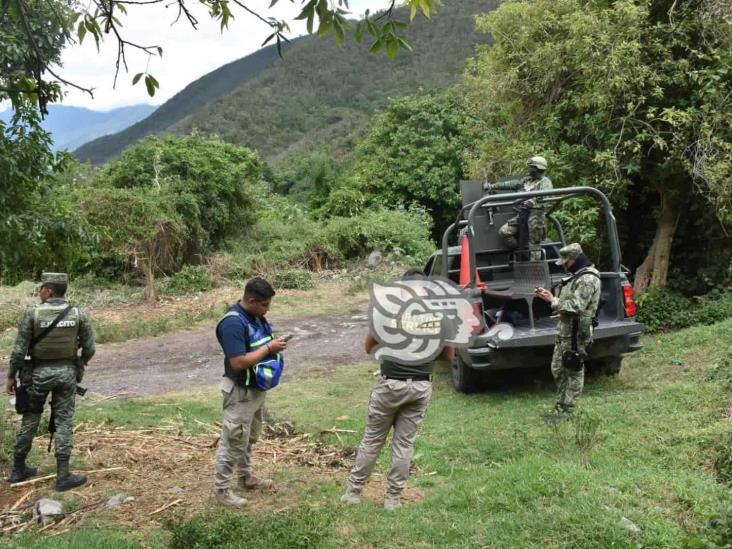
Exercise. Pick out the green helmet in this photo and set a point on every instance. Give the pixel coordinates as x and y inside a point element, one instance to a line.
<point>538,162</point>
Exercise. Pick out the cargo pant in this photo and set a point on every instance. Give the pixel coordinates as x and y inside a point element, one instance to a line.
<point>401,404</point>
<point>569,382</point>
<point>537,232</point>
<point>242,427</point>
<point>60,382</point>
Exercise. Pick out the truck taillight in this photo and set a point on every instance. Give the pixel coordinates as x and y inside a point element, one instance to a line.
<point>478,310</point>
<point>629,298</point>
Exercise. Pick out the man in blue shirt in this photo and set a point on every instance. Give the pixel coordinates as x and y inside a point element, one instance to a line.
<point>246,339</point>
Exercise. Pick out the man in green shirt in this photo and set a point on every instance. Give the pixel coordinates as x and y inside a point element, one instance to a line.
<point>400,400</point>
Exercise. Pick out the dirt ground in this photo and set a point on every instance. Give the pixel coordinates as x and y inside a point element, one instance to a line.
<point>136,468</point>
<point>192,358</point>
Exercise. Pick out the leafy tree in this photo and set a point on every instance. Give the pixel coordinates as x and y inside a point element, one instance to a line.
<point>139,227</point>
<point>631,96</point>
<point>210,183</point>
<point>40,227</point>
<point>412,156</point>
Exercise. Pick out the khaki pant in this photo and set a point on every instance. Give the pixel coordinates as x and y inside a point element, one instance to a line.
<point>393,403</point>
<point>242,426</point>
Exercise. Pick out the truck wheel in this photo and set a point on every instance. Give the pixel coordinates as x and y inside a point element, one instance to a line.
<point>464,378</point>
<point>609,366</point>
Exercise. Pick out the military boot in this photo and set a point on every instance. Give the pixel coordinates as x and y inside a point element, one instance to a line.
<point>391,502</point>
<point>227,497</point>
<point>21,471</point>
<point>352,495</point>
<point>252,482</point>
<point>64,479</point>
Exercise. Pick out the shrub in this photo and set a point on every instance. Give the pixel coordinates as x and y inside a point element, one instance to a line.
<point>189,279</point>
<point>293,280</point>
<point>403,234</point>
<point>662,310</point>
<point>228,530</point>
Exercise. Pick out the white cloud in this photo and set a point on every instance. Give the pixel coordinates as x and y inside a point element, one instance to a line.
<point>187,54</point>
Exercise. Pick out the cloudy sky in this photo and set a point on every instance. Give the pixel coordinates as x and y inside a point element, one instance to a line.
<point>187,54</point>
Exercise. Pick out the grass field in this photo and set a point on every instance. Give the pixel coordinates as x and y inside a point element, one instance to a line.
<point>643,464</point>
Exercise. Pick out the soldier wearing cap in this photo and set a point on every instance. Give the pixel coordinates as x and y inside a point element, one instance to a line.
<point>54,368</point>
<point>577,301</point>
<point>535,181</point>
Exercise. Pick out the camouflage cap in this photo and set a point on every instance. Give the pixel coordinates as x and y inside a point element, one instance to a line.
<point>54,278</point>
<point>570,251</point>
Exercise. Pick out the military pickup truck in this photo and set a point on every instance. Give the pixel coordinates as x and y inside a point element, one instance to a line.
<point>503,280</point>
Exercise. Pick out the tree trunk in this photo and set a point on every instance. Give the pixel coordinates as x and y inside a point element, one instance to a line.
<point>653,272</point>
<point>150,293</point>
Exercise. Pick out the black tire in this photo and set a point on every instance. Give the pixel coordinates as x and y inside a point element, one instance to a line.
<point>464,378</point>
<point>609,366</point>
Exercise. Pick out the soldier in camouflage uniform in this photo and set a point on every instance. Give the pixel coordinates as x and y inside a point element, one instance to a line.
<point>55,369</point>
<point>577,301</point>
<point>535,181</point>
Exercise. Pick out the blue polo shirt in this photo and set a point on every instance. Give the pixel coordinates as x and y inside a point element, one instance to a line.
<point>233,335</point>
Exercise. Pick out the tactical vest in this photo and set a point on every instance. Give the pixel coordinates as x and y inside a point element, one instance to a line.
<point>62,342</point>
<point>264,375</point>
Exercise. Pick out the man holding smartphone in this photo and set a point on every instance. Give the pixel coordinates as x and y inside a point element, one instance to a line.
<point>249,348</point>
<point>576,303</point>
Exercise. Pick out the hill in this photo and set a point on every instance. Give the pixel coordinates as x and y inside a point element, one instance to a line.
<point>71,127</point>
<point>209,87</point>
<point>319,94</point>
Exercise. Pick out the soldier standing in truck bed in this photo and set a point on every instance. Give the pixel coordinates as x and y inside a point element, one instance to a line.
<point>535,181</point>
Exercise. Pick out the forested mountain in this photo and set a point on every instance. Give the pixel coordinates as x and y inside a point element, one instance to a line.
<point>209,87</point>
<point>71,127</point>
<point>319,94</point>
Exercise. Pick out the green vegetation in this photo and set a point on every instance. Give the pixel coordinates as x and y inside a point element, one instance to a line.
<point>293,280</point>
<point>663,310</point>
<point>627,96</point>
<point>648,446</point>
<point>303,529</point>
<point>321,93</point>
<point>413,155</point>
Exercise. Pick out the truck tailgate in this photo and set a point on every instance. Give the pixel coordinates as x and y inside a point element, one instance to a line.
<point>546,332</point>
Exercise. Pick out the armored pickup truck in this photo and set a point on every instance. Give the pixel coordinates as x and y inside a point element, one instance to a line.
<point>519,330</point>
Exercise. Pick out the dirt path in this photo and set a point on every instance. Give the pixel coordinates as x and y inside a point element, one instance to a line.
<point>192,358</point>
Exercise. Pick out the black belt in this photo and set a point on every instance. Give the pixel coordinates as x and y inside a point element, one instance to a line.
<point>413,378</point>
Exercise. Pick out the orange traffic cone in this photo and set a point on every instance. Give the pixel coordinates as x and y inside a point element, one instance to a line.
<point>465,266</point>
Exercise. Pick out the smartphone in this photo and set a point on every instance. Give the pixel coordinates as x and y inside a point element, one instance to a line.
<point>287,337</point>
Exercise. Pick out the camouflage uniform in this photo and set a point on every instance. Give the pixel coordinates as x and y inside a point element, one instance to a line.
<point>578,297</point>
<point>537,220</point>
<point>55,376</point>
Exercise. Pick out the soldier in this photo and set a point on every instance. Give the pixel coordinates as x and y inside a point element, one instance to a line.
<point>246,338</point>
<point>400,400</point>
<point>576,303</point>
<point>535,181</point>
<point>54,368</point>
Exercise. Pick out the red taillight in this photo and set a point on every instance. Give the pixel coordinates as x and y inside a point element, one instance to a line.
<point>478,310</point>
<point>629,297</point>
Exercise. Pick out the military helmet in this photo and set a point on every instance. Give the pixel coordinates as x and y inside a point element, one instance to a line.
<point>538,162</point>
<point>570,251</point>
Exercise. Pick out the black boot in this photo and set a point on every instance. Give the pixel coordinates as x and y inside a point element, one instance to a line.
<point>64,479</point>
<point>21,471</point>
